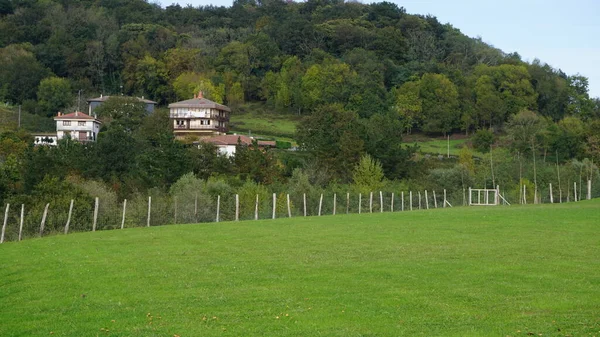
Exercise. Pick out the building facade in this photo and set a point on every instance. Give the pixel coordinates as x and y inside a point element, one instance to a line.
<point>78,126</point>
<point>199,118</point>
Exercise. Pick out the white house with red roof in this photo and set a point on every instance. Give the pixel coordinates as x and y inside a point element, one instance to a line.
<point>78,126</point>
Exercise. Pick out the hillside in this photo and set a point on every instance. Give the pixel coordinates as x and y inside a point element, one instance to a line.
<point>504,271</point>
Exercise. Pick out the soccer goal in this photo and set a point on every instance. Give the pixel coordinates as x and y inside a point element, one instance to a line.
<point>485,197</point>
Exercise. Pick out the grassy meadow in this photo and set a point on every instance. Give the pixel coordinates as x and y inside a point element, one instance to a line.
<point>264,124</point>
<point>497,271</point>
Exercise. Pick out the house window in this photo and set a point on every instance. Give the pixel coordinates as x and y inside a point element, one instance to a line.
<point>205,122</point>
<point>81,123</point>
<point>66,123</point>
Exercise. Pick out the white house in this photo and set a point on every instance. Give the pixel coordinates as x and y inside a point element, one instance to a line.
<point>78,125</point>
<point>198,118</point>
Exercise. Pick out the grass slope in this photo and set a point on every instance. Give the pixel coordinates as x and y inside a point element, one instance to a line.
<point>505,271</point>
<point>264,124</point>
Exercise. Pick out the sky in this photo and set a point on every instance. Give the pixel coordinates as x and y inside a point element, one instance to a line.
<point>560,33</point>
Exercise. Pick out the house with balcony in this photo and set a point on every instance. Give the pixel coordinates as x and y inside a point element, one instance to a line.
<point>78,126</point>
<point>198,118</point>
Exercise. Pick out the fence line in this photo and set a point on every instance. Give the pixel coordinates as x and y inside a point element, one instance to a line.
<point>235,207</point>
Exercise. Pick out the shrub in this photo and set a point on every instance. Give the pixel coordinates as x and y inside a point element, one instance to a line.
<point>482,140</point>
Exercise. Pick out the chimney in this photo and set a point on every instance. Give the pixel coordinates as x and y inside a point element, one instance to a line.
<point>76,113</point>
<point>200,95</point>
<point>100,95</point>
<point>59,114</point>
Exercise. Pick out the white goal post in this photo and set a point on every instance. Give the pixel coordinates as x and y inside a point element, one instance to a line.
<point>485,197</point>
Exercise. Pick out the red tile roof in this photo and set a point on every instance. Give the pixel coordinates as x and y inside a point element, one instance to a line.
<point>74,115</point>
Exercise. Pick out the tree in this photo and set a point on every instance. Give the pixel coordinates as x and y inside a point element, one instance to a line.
<point>408,105</point>
<point>490,108</point>
<point>368,175</point>
<point>327,83</point>
<point>20,73</point>
<point>439,98</point>
<point>524,128</point>
<point>331,134</point>
<point>482,140</point>
<point>124,112</point>
<point>188,84</point>
<point>54,94</point>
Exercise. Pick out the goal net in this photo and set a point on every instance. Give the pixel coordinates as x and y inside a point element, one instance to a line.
<point>484,197</point>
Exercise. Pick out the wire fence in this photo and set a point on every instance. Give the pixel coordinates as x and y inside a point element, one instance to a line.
<point>21,222</point>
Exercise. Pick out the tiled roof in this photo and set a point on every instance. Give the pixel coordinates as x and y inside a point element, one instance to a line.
<point>74,115</point>
<point>199,103</point>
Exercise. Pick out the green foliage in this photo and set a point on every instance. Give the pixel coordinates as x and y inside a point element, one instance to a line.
<point>368,175</point>
<point>122,112</point>
<point>439,98</point>
<point>54,94</point>
<point>332,135</point>
<point>482,140</point>
<point>189,84</point>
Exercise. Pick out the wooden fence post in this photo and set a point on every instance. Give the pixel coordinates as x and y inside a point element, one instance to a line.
<point>96,205</point>
<point>575,191</point>
<point>371,202</point>
<point>149,211</point>
<point>402,199</point>
<point>124,212</point>
<point>256,209</point>
<point>419,199</point>
<point>44,220</point>
<point>426,200</point>
<point>392,203</point>
<point>334,202</point>
<point>524,194</point>
<point>497,195</point>
<point>21,222</point>
<point>69,217</point>
<point>359,202</point>
<point>274,204</point>
<point>4,224</point>
<point>434,199</point>
<point>551,196</point>
<point>589,189</point>
<point>320,203</point>
<point>218,208</point>
<point>410,200</point>
<point>381,202</point>
<point>444,198</point>
<point>304,198</point>
<point>470,197</point>
<point>288,206</point>
<point>237,207</point>
<point>347,202</point>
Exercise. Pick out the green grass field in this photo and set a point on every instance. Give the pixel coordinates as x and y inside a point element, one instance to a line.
<point>503,271</point>
<point>436,145</point>
<point>264,124</point>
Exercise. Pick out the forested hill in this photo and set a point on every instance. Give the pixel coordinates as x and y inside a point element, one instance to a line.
<point>295,56</point>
